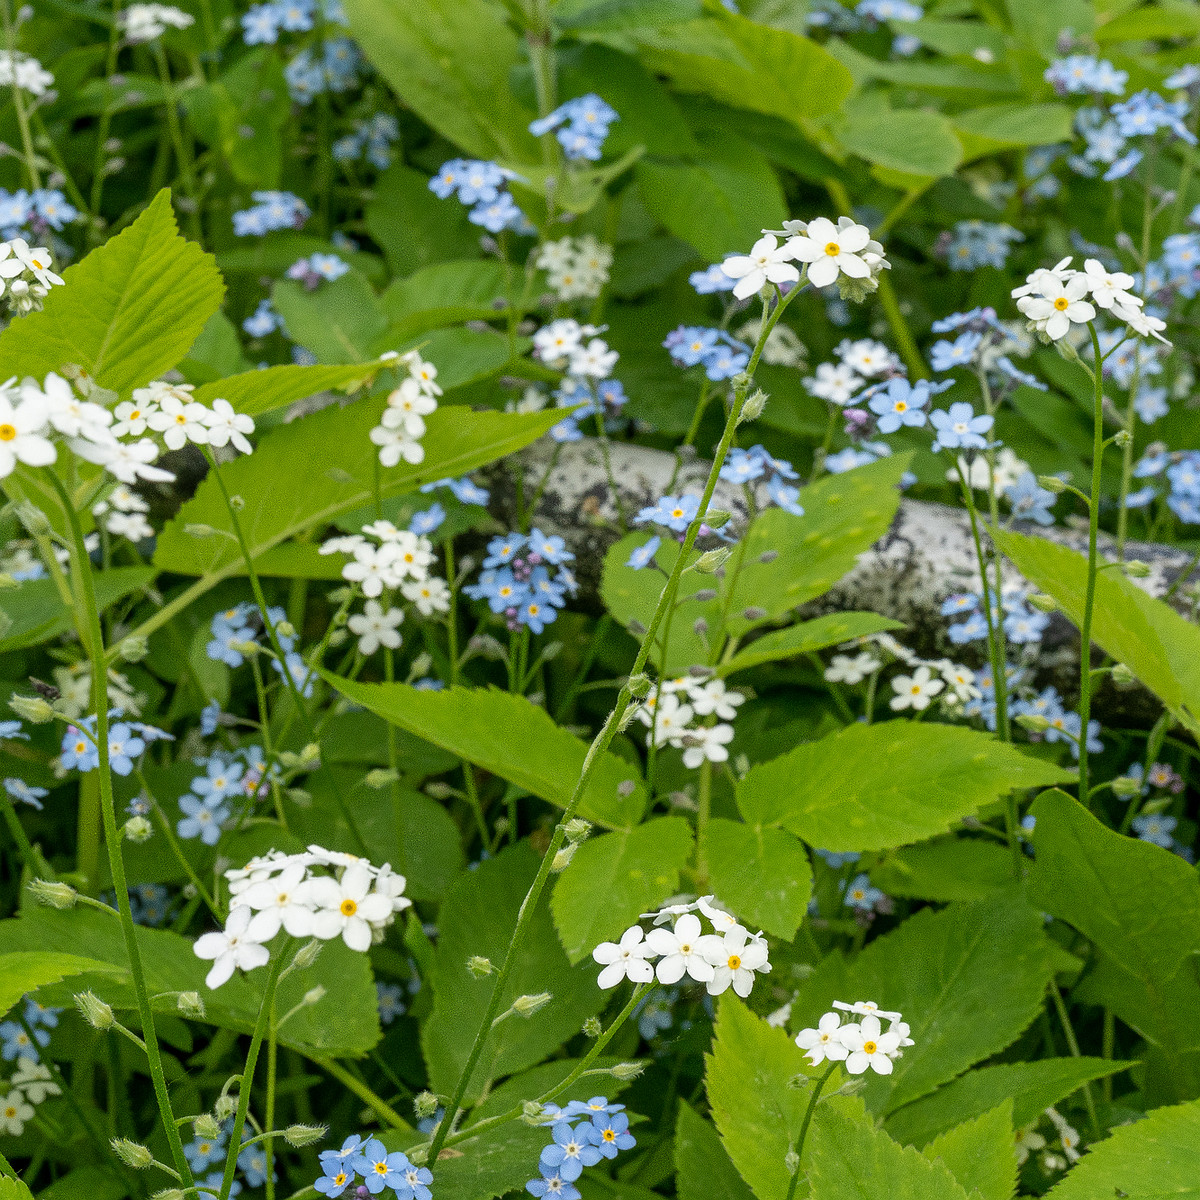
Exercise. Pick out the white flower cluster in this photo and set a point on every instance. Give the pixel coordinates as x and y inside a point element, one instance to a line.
<point>729,957</point>
<point>929,676</point>
<point>859,1045</point>
<point>1055,298</point>
<point>26,72</point>
<point>395,559</point>
<point>145,22</point>
<point>30,1084</point>
<point>671,709</point>
<point>566,345</point>
<point>123,513</point>
<point>859,359</point>
<point>290,892</point>
<point>844,253</point>
<point>576,268</point>
<point>400,429</point>
<point>25,275</point>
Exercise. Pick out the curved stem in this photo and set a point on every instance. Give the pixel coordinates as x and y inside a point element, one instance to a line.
<point>808,1115</point>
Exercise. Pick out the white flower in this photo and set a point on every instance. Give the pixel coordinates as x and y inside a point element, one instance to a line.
<point>712,697</point>
<point>391,884</point>
<point>823,1042</point>
<point>835,383</point>
<point>429,595</point>
<point>669,721</point>
<point>408,422</point>
<point>735,963</point>
<point>34,1079</point>
<point>279,901</point>
<point>14,1112</point>
<point>844,669</point>
<point>866,356</point>
<point>133,417</point>
<point>706,742</point>
<point>424,373</point>
<point>961,680</point>
<point>21,439</point>
<point>556,342</point>
<point>1009,468</point>
<point>410,397</point>
<point>180,422</point>
<point>869,1047</point>
<point>396,444</point>
<point>595,360</point>
<point>127,461</point>
<point>225,425</point>
<point>1108,287</point>
<point>342,545</point>
<point>686,950</point>
<point>866,1008</point>
<point>662,916</point>
<point>766,263</point>
<point>133,526</point>
<point>1140,322</point>
<point>70,415</point>
<point>625,959</point>
<point>347,907</point>
<point>413,555</point>
<point>145,22</point>
<point>232,947</point>
<point>722,921</point>
<point>831,249</point>
<point>36,260</point>
<point>374,628</point>
<point>372,567</point>
<point>915,690</point>
<point>25,72</point>
<point>1026,1141</point>
<point>1057,305</point>
<point>1042,277</point>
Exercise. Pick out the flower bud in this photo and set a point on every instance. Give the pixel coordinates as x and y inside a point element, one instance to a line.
<point>479,966</point>
<point>237,503</point>
<point>138,830</point>
<point>704,595</point>
<point>532,1112</point>
<point>753,407</point>
<point>592,1027</point>
<point>768,556</point>
<point>551,651</point>
<point>700,627</point>
<point>304,1135</point>
<point>1126,786</point>
<point>307,955</point>
<point>710,560</point>
<point>526,1006</point>
<point>562,858</point>
<point>754,613</point>
<point>380,777</point>
<point>96,1012</point>
<point>626,787</point>
<point>1043,603</point>
<point>225,1107</point>
<point>33,709</point>
<point>424,660</point>
<point>437,789</point>
<point>1033,722</point>
<point>639,685</point>
<point>628,1070</point>
<point>1122,674</point>
<point>577,829</point>
<point>33,518</point>
<point>425,1104</point>
<point>716,517</point>
<point>1122,437</point>
<point>53,894</point>
<point>636,628</point>
<point>190,1005</point>
<point>133,648</point>
<point>132,1154</point>
<point>170,1194</point>
<point>199,530</point>
<point>206,1126</point>
<point>1052,483</point>
<point>1136,569</point>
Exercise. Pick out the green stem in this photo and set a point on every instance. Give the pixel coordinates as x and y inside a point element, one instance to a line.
<point>183,154</point>
<point>92,637</point>
<point>34,863</point>
<point>269,1110</point>
<point>177,849</point>
<point>808,1115</point>
<point>904,339</point>
<point>452,614</point>
<point>1073,1045</point>
<point>380,1107</point>
<point>10,37</point>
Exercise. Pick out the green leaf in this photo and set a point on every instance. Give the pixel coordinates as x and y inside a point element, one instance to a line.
<point>614,878</point>
<point>477,918</point>
<point>128,312</point>
<point>258,392</point>
<point>493,1163</point>
<point>1151,1159</point>
<point>1140,904</point>
<point>870,787</point>
<point>421,51</point>
<point>758,1113</point>
<point>1150,23</point>
<point>580,16</point>
<point>446,293</point>
<point>949,869</point>
<point>413,226</point>
<point>1002,126</point>
<point>720,203</point>
<point>968,979</point>
<point>36,612</point>
<point>979,1154</point>
<point>284,495</point>
<point>338,322</point>
<point>910,140</point>
<point>1158,645</point>
<point>852,1161</point>
<point>27,970</point>
<point>96,1183</point>
<point>507,735</point>
<point>1040,25</point>
<point>702,1168</point>
<point>761,873</point>
<point>1033,1087</point>
<point>14,1189</point>
<point>806,637</point>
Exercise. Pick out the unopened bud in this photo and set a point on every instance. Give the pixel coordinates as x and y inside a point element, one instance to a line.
<point>132,1154</point>
<point>96,1012</point>
<point>225,1107</point>
<point>1126,786</point>
<point>138,830</point>
<point>249,649</point>
<point>1122,674</point>
<point>1152,807</point>
<point>1136,569</point>
<point>753,407</point>
<point>1052,483</point>
<point>486,646</point>
<point>626,787</point>
<point>704,595</point>
<point>170,1194</point>
<point>479,966</point>
<point>304,1135</point>
<point>754,613</point>
<point>716,517</point>
<point>592,1027</point>
<point>562,858</point>
<point>33,709</point>
<point>552,651</point>
<point>207,1126</point>
<point>313,996</point>
<point>532,1112</point>
<point>133,648</point>
<point>237,503</point>
<point>791,1162</point>
<point>1122,437</point>
<point>310,754</point>
<point>53,894</point>
<point>628,1070</point>
<point>711,560</point>
<point>768,556</point>
<point>1033,722</point>
<point>526,1006</point>
<point>639,685</point>
<point>437,789</point>
<point>425,1104</point>
<point>198,529</point>
<point>636,628</point>
<point>33,518</point>
<point>424,660</point>
<point>1043,603</point>
<point>190,1004</point>
<point>307,955</point>
<point>576,829</point>
<point>700,627</point>
<point>743,379</point>
<point>381,776</point>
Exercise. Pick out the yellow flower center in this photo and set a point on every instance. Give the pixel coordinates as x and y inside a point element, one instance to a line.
<point>870,1047</point>
<point>677,512</point>
<point>37,264</point>
<point>734,962</point>
<point>609,1135</point>
<point>135,415</point>
<point>180,419</point>
<point>832,249</point>
<point>340,1179</point>
<point>7,433</point>
<point>348,908</point>
<point>533,610</point>
<point>10,1111</point>
<point>1061,303</point>
<point>901,406</point>
<point>381,1168</point>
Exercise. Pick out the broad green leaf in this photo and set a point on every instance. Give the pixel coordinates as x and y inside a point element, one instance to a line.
<point>761,873</point>
<point>758,1113</point>
<point>852,1161</point>
<point>950,78</point>
<point>447,293</point>
<point>14,1189</point>
<point>27,970</point>
<point>511,737</point>
<point>871,787</point>
<point>338,322</point>
<point>414,227</point>
<point>449,61</point>
<point>1033,1087</point>
<point>464,356</point>
<point>911,140</point>
<point>968,979</point>
<point>806,637</point>
<point>1151,1159</point>
<point>96,1183</point>
<point>1149,23</point>
<point>477,918</point>
<point>979,1154</point>
<point>496,1162</point>
<point>584,16</point>
<point>308,473</point>
<point>1039,25</point>
<point>258,392</point>
<point>1158,645</point>
<point>1002,126</point>
<point>36,612</point>
<point>719,203</point>
<point>702,1168</point>
<point>1140,904</point>
<point>616,877</point>
<point>949,869</point>
<point>344,1021</point>
<point>128,311</point>
<point>954,37</point>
